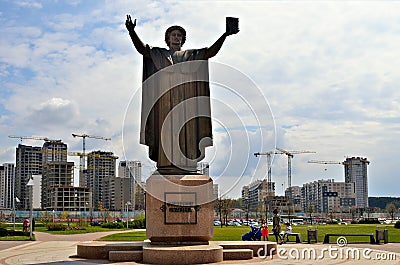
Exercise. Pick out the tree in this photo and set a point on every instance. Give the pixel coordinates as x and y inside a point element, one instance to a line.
<point>391,209</point>
<point>218,207</point>
<point>353,211</point>
<point>226,209</point>
<point>45,217</point>
<point>103,211</point>
<point>65,216</point>
<point>310,211</point>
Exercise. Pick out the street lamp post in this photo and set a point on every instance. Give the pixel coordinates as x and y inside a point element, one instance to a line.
<point>127,213</point>
<point>30,186</point>
<point>16,200</point>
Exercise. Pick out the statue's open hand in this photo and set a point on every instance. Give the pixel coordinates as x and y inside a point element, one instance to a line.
<point>129,24</point>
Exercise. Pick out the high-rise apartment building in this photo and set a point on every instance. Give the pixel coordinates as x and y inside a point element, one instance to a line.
<point>203,168</point>
<point>257,193</point>
<point>355,171</point>
<point>293,194</point>
<point>28,163</point>
<point>100,166</point>
<point>56,171</point>
<point>133,171</point>
<point>325,196</point>
<point>7,179</point>
<point>215,191</point>
<point>117,193</point>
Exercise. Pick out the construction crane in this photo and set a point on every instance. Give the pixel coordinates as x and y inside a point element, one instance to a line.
<point>290,156</point>
<point>325,162</point>
<point>84,136</point>
<point>269,178</point>
<point>34,138</point>
<point>329,162</point>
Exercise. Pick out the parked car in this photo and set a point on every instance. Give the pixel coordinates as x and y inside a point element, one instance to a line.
<point>234,223</point>
<point>217,222</point>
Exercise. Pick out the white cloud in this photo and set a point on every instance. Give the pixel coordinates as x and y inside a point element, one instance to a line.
<point>34,4</point>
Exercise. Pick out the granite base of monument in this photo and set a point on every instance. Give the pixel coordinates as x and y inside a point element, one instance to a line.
<point>179,225</point>
<point>179,209</point>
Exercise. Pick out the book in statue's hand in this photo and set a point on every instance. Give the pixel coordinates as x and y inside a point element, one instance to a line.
<point>232,25</point>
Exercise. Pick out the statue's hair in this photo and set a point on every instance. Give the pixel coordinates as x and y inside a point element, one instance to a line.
<point>172,28</point>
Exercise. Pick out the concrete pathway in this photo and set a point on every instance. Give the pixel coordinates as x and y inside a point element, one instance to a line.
<point>61,250</point>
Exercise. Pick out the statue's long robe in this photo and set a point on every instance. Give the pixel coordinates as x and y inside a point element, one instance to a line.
<point>176,81</point>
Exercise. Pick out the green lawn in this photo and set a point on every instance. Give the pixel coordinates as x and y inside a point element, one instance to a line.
<point>235,233</point>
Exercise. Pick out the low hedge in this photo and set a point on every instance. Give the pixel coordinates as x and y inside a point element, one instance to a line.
<point>56,227</point>
<point>113,225</point>
<point>397,225</point>
<point>135,224</point>
<point>369,221</point>
<point>5,232</point>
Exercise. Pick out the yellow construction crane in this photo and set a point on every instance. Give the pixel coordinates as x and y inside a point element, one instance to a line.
<point>290,156</point>
<point>34,138</point>
<point>84,136</point>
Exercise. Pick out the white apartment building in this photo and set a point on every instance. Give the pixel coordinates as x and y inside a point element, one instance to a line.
<point>7,179</point>
<point>355,171</point>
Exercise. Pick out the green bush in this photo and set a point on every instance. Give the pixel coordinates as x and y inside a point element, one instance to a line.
<point>5,232</point>
<point>56,227</point>
<point>369,221</point>
<point>137,223</point>
<point>113,225</point>
<point>397,225</point>
<point>354,222</point>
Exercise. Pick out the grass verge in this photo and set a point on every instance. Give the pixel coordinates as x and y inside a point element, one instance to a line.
<point>235,233</point>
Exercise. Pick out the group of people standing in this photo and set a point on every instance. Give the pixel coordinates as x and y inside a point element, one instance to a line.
<point>276,229</point>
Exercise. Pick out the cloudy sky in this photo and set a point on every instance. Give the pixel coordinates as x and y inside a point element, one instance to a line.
<point>317,76</point>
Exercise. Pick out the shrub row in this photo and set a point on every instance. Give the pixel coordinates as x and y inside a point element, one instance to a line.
<point>135,224</point>
<point>369,221</point>
<point>56,227</point>
<point>5,232</point>
<point>397,225</point>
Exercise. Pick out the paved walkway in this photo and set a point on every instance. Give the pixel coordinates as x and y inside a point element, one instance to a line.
<point>61,249</point>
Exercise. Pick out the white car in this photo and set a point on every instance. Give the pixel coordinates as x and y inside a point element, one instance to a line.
<point>234,223</point>
<point>217,222</point>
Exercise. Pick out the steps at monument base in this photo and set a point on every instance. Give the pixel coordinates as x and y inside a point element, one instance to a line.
<point>100,250</point>
<point>255,246</point>
<point>182,255</point>
<point>125,255</point>
<point>237,254</point>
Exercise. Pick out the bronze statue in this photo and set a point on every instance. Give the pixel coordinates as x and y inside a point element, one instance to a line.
<point>176,115</point>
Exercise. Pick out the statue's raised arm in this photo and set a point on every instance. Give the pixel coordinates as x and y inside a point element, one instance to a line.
<point>232,27</point>
<point>139,45</point>
<point>129,24</point>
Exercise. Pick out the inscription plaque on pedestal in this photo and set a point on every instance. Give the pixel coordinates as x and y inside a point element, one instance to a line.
<point>179,208</point>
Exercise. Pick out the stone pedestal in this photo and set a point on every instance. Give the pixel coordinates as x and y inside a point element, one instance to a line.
<point>179,209</point>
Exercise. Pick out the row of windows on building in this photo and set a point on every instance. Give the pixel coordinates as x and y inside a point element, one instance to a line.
<point>321,196</point>
<point>98,180</point>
